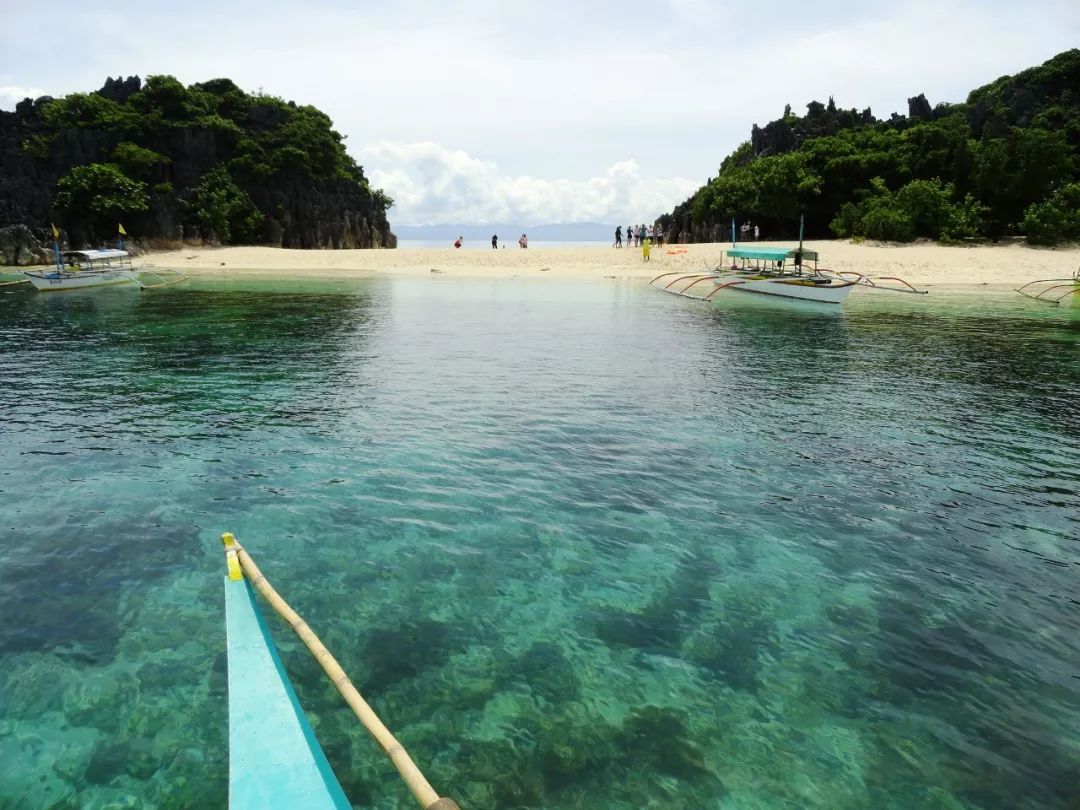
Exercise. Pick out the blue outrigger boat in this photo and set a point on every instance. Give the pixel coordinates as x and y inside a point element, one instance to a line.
<point>275,761</point>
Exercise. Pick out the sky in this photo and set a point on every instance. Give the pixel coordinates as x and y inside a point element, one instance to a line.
<point>541,112</point>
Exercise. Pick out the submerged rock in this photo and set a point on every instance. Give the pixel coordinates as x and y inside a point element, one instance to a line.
<point>108,759</point>
<point>98,699</point>
<point>548,672</point>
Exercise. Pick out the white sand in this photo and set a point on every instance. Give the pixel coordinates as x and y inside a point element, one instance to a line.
<point>924,265</point>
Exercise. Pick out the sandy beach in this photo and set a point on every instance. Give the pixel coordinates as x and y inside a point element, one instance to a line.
<point>925,265</point>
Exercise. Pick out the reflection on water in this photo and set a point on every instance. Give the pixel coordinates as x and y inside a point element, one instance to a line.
<point>583,545</point>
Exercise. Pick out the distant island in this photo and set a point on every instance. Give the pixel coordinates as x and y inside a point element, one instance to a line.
<point>206,162</point>
<point>1004,163</point>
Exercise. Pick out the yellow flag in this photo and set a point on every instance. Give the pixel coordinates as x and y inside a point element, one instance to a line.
<point>55,231</point>
<point>122,231</point>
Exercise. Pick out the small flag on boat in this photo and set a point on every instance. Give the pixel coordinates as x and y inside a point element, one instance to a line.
<point>55,231</point>
<point>122,231</point>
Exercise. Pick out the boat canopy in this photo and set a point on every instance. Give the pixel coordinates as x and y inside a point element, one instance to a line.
<point>97,255</point>
<point>770,254</point>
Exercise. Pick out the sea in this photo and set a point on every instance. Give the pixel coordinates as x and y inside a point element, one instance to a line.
<point>581,544</point>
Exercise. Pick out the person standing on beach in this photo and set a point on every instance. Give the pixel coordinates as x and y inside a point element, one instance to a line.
<point>618,236</point>
<point>495,242</point>
<point>457,242</point>
<point>523,242</point>
<point>646,249</point>
<point>757,233</point>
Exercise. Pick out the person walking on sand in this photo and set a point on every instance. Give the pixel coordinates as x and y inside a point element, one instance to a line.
<point>457,242</point>
<point>523,242</point>
<point>646,249</point>
<point>618,236</point>
<point>495,242</point>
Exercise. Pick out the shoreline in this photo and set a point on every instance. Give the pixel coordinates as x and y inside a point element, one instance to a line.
<point>922,264</point>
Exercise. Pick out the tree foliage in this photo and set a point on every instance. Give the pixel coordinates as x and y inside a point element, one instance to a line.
<point>1055,219</point>
<point>921,208</point>
<point>240,151</point>
<point>137,161</point>
<point>100,194</point>
<point>220,208</point>
<point>985,168</point>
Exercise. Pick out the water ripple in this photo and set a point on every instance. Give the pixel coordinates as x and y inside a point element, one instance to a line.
<point>584,546</point>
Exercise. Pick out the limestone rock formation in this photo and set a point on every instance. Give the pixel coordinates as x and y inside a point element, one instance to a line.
<point>295,184</point>
<point>919,108</point>
<point>20,248</point>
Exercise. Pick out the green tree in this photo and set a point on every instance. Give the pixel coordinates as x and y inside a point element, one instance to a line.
<point>220,208</point>
<point>1055,219</point>
<point>137,161</point>
<point>928,204</point>
<point>98,196</point>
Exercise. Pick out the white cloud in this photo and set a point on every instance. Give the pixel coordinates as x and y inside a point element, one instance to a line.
<point>550,88</point>
<point>432,184</point>
<point>11,95</point>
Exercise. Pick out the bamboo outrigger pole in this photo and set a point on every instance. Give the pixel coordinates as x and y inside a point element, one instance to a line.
<point>422,791</point>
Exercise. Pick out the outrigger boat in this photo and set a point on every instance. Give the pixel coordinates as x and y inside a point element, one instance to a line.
<point>779,271</point>
<point>275,761</point>
<point>78,269</point>
<point>7,279</point>
<point>1060,289</point>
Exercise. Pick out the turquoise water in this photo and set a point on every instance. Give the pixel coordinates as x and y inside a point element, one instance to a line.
<point>582,545</point>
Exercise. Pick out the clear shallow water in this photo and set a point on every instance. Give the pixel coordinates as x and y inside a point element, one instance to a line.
<point>582,545</point>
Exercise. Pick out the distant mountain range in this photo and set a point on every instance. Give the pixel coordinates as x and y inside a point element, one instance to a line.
<point>509,232</point>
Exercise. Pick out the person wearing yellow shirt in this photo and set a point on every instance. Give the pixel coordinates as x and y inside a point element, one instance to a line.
<point>646,248</point>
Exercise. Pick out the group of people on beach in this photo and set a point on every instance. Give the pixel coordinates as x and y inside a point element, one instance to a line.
<point>523,242</point>
<point>637,235</point>
<point>748,230</point>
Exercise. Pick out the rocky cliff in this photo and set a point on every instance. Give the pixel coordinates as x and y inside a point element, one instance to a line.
<point>207,162</point>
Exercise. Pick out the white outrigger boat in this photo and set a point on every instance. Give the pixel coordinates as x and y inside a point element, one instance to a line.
<point>783,272</point>
<point>78,269</point>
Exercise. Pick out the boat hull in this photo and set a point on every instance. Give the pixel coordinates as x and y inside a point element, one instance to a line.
<point>275,762</point>
<point>802,289</point>
<point>53,281</point>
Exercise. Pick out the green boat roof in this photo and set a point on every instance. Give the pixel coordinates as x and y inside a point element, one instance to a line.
<point>275,762</point>
<point>771,254</point>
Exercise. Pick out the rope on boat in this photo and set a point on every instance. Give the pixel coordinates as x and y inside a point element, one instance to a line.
<point>237,558</point>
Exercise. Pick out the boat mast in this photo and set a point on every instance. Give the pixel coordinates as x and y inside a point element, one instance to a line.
<point>56,248</point>
<point>798,253</point>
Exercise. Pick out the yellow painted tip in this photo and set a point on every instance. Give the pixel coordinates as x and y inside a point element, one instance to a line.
<point>228,539</point>
<point>233,565</point>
